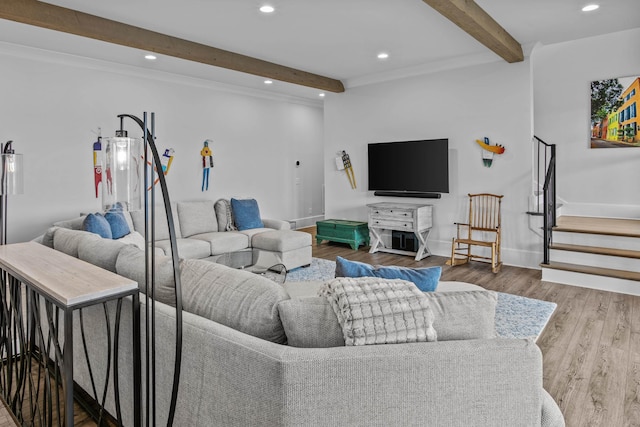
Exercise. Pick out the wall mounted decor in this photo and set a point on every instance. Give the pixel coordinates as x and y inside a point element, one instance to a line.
<point>167,160</point>
<point>207,163</point>
<point>489,150</point>
<point>97,161</point>
<point>348,168</point>
<point>614,112</point>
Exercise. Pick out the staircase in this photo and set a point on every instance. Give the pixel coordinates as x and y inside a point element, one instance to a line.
<point>592,252</point>
<point>598,253</point>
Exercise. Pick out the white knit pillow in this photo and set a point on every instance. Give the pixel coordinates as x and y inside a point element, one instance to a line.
<point>224,215</point>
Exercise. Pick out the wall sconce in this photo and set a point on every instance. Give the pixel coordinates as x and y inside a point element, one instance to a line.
<point>11,182</point>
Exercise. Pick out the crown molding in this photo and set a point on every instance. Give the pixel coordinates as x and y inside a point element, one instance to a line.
<point>53,57</point>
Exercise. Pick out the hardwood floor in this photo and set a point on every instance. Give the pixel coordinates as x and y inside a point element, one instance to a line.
<point>590,347</point>
<point>6,418</point>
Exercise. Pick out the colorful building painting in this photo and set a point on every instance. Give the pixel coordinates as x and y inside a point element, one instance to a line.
<point>628,113</point>
<point>614,112</point>
<point>612,128</point>
<point>605,128</point>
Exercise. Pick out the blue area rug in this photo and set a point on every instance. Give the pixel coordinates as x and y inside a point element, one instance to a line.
<point>516,316</point>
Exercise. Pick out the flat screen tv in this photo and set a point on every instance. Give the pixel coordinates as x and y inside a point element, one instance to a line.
<point>408,167</point>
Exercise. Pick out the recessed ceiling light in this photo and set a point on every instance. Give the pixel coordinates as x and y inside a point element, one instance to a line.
<point>150,57</point>
<point>267,9</point>
<point>590,7</point>
<point>268,82</point>
<point>321,95</point>
<point>383,55</point>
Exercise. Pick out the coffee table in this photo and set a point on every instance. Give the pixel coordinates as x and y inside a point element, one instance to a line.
<point>256,261</point>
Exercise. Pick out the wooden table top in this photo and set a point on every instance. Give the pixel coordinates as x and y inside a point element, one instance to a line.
<point>67,280</point>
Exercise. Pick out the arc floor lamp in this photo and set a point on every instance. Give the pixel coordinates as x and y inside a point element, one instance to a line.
<point>123,154</point>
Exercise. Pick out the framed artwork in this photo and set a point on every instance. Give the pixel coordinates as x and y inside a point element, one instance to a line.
<point>614,112</point>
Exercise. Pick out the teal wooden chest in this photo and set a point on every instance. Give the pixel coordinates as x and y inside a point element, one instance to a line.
<point>355,233</point>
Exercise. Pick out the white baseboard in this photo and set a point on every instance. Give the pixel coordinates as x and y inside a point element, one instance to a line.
<point>308,221</point>
<point>513,257</point>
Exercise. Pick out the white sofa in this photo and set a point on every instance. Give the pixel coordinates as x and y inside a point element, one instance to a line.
<point>238,370</point>
<point>204,230</point>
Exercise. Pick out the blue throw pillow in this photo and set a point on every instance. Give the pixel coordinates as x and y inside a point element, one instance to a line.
<point>117,222</point>
<point>426,278</point>
<point>346,268</point>
<point>246,214</point>
<point>96,223</point>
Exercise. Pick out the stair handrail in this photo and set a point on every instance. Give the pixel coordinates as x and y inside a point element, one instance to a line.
<point>549,195</point>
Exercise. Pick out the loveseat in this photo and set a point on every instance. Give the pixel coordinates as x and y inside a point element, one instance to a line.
<point>237,369</point>
<point>206,229</point>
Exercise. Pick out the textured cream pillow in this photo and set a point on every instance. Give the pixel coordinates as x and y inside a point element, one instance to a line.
<point>224,215</point>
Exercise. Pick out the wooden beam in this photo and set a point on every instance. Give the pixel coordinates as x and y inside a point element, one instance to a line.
<point>467,15</point>
<point>70,21</point>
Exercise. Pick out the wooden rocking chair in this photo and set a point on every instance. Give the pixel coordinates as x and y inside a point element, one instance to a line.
<point>483,229</point>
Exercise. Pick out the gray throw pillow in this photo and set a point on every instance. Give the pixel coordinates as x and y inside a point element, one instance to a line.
<point>311,322</point>
<point>131,264</point>
<point>238,299</point>
<point>47,237</point>
<point>100,252</point>
<point>72,224</point>
<point>67,240</point>
<point>161,225</point>
<point>197,217</point>
<point>464,315</point>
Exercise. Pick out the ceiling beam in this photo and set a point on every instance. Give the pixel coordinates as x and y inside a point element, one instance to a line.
<point>467,15</point>
<point>70,21</point>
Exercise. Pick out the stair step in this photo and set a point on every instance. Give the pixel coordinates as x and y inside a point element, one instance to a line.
<point>626,253</point>
<point>598,271</point>
<point>604,226</point>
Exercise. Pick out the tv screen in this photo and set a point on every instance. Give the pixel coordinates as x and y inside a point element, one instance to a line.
<point>410,166</point>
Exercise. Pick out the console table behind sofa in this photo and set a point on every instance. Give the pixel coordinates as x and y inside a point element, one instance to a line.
<point>52,282</point>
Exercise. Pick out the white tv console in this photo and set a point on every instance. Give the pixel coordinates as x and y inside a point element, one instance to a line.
<point>386,217</point>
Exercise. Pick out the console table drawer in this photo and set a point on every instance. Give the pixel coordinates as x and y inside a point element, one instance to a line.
<point>392,224</point>
<point>390,213</point>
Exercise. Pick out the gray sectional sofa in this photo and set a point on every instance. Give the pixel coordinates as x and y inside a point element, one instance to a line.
<point>205,230</point>
<point>238,370</point>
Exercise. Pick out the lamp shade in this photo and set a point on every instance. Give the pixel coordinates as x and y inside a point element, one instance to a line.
<point>122,173</point>
<point>11,174</point>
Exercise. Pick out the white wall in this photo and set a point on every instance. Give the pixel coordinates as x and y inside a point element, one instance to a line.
<point>51,103</point>
<point>605,180</point>
<point>548,93</point>
<point>492,100</point>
